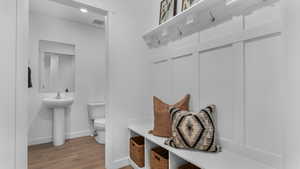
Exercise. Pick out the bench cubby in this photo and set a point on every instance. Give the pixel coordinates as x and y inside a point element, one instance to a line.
<point>177,157</point>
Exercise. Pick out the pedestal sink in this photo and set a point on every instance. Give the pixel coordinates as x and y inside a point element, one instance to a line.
<point>59,106</point>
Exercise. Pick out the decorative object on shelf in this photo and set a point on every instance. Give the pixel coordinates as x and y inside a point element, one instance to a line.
<point>194,130</point>
<point>159,158</point>
<point>137,150</point>
<point>162,122</point>
<point>168,9</point>
<point>188,166</point>
<point>187,4</point>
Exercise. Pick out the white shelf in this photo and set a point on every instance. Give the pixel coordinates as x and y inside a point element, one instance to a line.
<point>222,160</point>
<point>200,17</point>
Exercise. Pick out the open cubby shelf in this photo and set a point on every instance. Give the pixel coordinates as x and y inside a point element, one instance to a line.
<point>223,160</point>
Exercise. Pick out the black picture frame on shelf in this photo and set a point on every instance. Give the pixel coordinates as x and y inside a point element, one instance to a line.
<point>186,4</point>
<point>168,9</point>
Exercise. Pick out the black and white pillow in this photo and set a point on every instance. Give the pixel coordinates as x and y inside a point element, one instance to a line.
<point>194,130</point>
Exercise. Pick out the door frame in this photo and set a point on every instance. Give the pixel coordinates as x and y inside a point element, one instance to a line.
<point>21,94</point>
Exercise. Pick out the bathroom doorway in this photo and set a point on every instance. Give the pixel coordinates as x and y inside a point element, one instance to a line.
<point>67,76</point>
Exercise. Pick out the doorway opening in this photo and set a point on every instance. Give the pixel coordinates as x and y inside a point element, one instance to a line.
<point>67,95</point>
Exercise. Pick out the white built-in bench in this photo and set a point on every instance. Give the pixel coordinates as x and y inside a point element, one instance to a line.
<point>223,160</point>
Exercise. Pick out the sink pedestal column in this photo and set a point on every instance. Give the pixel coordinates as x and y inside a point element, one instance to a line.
<point>58,126</point>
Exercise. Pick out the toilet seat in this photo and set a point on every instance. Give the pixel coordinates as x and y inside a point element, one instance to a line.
<point>100,123</point>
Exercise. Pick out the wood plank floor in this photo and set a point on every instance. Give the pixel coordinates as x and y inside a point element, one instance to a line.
<point>80,153</point>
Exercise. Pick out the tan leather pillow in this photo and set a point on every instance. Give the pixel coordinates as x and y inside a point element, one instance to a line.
<point>162,121</point>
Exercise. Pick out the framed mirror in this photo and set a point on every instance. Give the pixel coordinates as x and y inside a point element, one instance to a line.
<point>56,67</point>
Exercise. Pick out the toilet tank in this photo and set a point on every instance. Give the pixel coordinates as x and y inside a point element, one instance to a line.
<point>96,110</point>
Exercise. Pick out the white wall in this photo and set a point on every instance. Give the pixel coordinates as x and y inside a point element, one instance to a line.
<point>13,49</point>
<point>129,84</point>
<point>90,79</point>
<point>21,84</point>
<point>236,66</point>
<point>7,87</point>
<point>290,88</point>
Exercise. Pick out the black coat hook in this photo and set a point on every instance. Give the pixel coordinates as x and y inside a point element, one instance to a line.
<point>180,32</point>
<point>213,19</point>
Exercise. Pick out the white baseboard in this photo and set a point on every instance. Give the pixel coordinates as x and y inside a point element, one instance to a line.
<point>120,163</point>
<point>39,140</point>
<point>133,165</point>
<point>78,134</point>
<point>43,140</point>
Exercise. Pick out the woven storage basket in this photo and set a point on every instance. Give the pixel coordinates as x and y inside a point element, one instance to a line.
<point>188,166</point>
<point>137,150</point>
<point>159,158</point>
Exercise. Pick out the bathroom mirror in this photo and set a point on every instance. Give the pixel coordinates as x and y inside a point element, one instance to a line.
<point>57,66</point>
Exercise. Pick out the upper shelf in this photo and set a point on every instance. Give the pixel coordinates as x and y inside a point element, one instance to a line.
<point>201,16</point>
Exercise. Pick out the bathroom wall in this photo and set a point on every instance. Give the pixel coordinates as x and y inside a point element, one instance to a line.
<point>90,74</point>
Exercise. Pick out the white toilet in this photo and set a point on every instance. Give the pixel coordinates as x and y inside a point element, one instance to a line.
<point>96,111</point>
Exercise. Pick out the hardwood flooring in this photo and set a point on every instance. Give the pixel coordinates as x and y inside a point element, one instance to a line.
<point>80,153</point>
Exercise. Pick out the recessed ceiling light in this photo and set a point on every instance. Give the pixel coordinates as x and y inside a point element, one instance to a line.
<point>84,10</point>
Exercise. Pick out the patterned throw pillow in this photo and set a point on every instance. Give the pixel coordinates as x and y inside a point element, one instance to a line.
<point>162,122</point>
<point>194,130</point>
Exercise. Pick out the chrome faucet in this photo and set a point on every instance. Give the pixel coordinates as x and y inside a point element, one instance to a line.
<point>58,96</point>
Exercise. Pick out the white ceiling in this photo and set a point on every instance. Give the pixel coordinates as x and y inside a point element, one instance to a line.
<point>54,9</point>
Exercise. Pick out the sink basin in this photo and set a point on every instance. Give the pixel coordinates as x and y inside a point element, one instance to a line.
<point>58,103</point>
<point>58,107</point>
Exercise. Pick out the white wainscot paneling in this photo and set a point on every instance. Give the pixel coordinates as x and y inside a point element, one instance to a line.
<point>162,79</point>
<point>217,81</point>
<point>263,16</point>
<point>227,28</point>
<point>262,94</point>
<point>184,79</point>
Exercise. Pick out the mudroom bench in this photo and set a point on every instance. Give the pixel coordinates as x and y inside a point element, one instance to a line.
<point>177,157</point>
